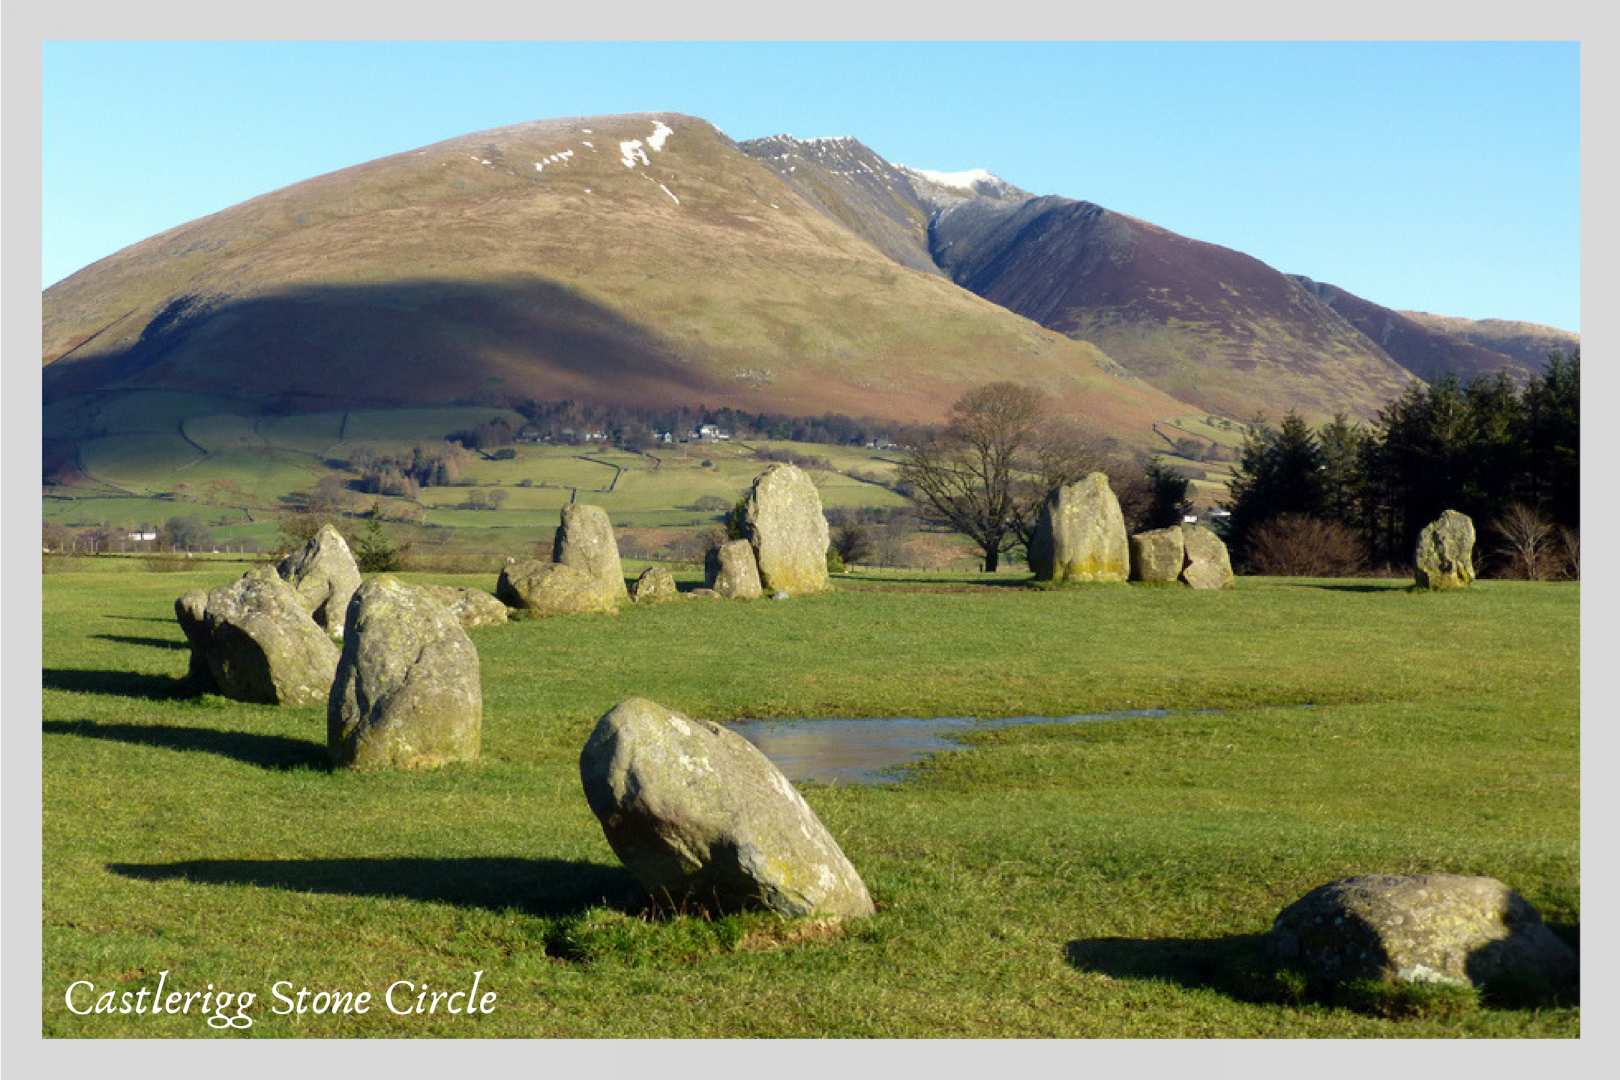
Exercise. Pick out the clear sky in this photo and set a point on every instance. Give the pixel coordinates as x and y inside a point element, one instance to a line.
<point>1440,177</point>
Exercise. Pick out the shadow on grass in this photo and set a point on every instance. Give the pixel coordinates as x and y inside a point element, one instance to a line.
<point>265,751</point>
<point>1240,967</point>
<point>141,618</point>
<point>150,642</point>
<point>131,684</point>
<point>1235,965</point>
<point>553,887</point>
<point>1391,587</point>
<point>900,583</point>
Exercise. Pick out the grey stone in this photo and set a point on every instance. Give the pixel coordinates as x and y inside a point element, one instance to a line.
<point>325,575</point>
<point>257,641</point>
<point>1426,928</point>
<point>1445,553</point>
<point>1208,564</point>
<point>406,694</point>
<point>704,594</point>
<point>1080,534</point>
<point>191,612</point>
<point>1157,556</point>
<point>585,541</point>
<point>473,607</point>
<point>542,588</point>
<point>729,570</point>
<point>656,585</point>
<point>699,815</point>
<point>785,525</point>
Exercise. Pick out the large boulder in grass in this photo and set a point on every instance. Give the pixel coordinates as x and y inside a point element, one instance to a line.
<point>542,588</point>
<point>257,641</point>
<point>406,694</point>
<point>325,575</point>
<point>700,816</point>
<point>472,607</point>
<point>730,571</point>
<point>1157,556</point>
<point>1080,534</point>
<point>656,585</point>
<point>585,541</point>
<point>1445,553</point>
<point>1208,564</point>
<point>784,523</point>
<point>1437,928</point>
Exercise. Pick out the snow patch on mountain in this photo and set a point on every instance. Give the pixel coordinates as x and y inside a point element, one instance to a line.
<point>966,180</point>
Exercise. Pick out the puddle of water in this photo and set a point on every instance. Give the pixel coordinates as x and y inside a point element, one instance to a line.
<point>871,751</point>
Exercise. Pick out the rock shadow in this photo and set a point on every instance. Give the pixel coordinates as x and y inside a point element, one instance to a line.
<point>550,887</point>
<point>265,751</point>
<point>149,642</point>
<point>130,684</point>
<point>1236,965</point>
<point>1389,587</point>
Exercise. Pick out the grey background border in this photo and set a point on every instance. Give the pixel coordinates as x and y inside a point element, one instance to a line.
<point>27,23</point>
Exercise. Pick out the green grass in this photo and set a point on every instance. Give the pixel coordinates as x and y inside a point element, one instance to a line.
<point>1105,880</point>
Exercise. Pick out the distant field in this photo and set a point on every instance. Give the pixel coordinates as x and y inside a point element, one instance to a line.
<point>1106,880</point>
<point>241,473</point>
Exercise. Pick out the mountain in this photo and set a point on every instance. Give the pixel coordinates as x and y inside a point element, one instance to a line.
<point>1524,342</point>
<point>1432,346</point>
<point>1202,322</point>
<point>1206,324</point>
<point>635,259</point>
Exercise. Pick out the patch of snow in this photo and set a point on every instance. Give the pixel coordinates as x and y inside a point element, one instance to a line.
<point>775,207</point>
<point>591,145</point>
<point>587,131</point>
<point>670,193</point>
<point>539,167</point>
<point>630,152</point>
<point>661,131</point>
<point>483,161</point>
<point>962,181</point>
<point>587,191</point>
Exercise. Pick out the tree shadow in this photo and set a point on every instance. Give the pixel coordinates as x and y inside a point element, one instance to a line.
<point>265,751</point>
<point>150,642</point>
<point>132,684</point>
<point>551,887</point>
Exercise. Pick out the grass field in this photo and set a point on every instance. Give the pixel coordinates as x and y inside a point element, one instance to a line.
<point>1052,881</point>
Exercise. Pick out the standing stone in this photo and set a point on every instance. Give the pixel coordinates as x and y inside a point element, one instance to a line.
<point>654,586</point>
<point>788,531</point>
<point>191,612</point>
<point>729,570</point>
<point>585,541</point>
<point>258,642</point>
<point>406,695</point>
<point>1445,552</point>
<point>1157,555</point>
<point>1208,564</point>
<point>699,815</point>
<point>1080,534</point>
<point>472,607</point>
<point>325,575</point>
<point>1427,928</point>
<point>542,588</point>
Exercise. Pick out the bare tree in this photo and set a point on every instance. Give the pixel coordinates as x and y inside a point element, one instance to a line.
<point>963,477</point>
<point>1526,541</point>
<point>1569,541</point>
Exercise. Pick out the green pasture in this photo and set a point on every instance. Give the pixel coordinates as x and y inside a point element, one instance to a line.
<point>1106,880</point>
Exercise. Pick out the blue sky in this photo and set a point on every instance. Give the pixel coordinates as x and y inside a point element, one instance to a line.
<point>1441,177</point>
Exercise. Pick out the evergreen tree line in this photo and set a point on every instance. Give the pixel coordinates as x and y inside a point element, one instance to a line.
<point>1490,448</point>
